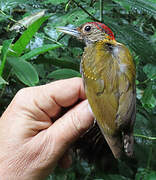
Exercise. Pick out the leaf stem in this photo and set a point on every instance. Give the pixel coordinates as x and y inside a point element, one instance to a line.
<point>149,79</point>
<point>8,17</point>
<point>67,5</point>
<point>79,5</point>
<point>4,86</point>
<point>101,10</point>
<point>146,137</point>
<point>50,39</point>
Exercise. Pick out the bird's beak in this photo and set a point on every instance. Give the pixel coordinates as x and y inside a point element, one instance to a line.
<point>70,31</point>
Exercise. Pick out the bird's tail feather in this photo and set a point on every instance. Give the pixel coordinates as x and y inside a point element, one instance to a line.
<point>115,144</point>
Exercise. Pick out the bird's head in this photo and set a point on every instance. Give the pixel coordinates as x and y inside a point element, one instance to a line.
<point>90,32</point>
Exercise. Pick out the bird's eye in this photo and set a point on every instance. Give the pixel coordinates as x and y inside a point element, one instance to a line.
<point>87,28</point>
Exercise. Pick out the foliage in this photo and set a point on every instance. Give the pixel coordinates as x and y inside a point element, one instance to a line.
<point>34,53</point>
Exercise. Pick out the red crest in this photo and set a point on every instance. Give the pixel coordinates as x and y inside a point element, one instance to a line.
<point>104,28</point>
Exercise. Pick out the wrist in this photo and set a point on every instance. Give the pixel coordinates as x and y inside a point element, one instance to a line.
<point>12,172</point>
<point>21,165</point>
<point>15,167</point>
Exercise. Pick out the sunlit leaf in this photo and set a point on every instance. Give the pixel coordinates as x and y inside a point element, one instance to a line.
<point>52,32</point>
<point>7,4</point>
<point>22,42</point>
<point>27,21</point>
<point>139,93</point>
<point>2,81</point>
<point>39,51</point>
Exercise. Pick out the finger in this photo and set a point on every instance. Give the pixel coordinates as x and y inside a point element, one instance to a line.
<point>69,127</point>
<point>48,99</point>
<point>66,92</point>
<point>59,94</point>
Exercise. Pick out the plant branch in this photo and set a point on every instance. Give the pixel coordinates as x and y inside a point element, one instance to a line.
<point>8,17</point>
<point>53,40</point>
<point>66,7</point>
<point>101,10</point>
<point>4,86</point>
<point>145,137</point>
<point>92,17</point>
<point>149,79</point>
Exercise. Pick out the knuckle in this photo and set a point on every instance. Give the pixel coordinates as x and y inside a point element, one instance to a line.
<point>78,79</point>
<point>22,92</point>
<point>76,122</point>
<point>22,95</point>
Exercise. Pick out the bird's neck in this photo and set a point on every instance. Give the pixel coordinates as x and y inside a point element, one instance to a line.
<point>91,40</point>
<point>97,57</point>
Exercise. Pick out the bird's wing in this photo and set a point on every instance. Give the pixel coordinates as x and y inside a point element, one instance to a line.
<point>97,72</point>
<point>126,113</point>
<point>127,93</point>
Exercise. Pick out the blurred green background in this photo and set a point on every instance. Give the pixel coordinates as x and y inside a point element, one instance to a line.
<point>34,53</point>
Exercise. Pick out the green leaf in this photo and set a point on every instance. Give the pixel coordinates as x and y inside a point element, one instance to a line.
<point>64,63</point>
<point>148,98</point>
<point>139,93</point>
<point>150,71</point>
<point>142,127</point>
<point>145,174</point>
<point>2,81</point>
<point>4,51</point>
<point>39,51</point>
<point>123,4</point>
<point>51,31</point>
<point>24,71</point>
<point>64,74</point>
<point>135,39</point>
<point>77,51</point>
<point>56,2</point>
<point>142,5</point>
<point>9,4</point>
<point>77,16</point>
<point>23,41</point>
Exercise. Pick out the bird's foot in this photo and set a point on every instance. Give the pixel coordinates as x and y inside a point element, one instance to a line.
<point>128,144</point>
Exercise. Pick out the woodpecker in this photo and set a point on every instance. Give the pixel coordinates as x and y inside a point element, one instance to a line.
<point>108,72</point>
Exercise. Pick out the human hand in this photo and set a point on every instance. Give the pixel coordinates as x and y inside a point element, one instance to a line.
<point>31,144</point>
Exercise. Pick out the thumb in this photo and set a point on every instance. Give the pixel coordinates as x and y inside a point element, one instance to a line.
<point>71,126</point>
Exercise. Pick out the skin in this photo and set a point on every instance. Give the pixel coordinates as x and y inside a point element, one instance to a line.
<point>34,138</point>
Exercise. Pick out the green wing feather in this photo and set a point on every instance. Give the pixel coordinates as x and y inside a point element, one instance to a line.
<point>109,77</point>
